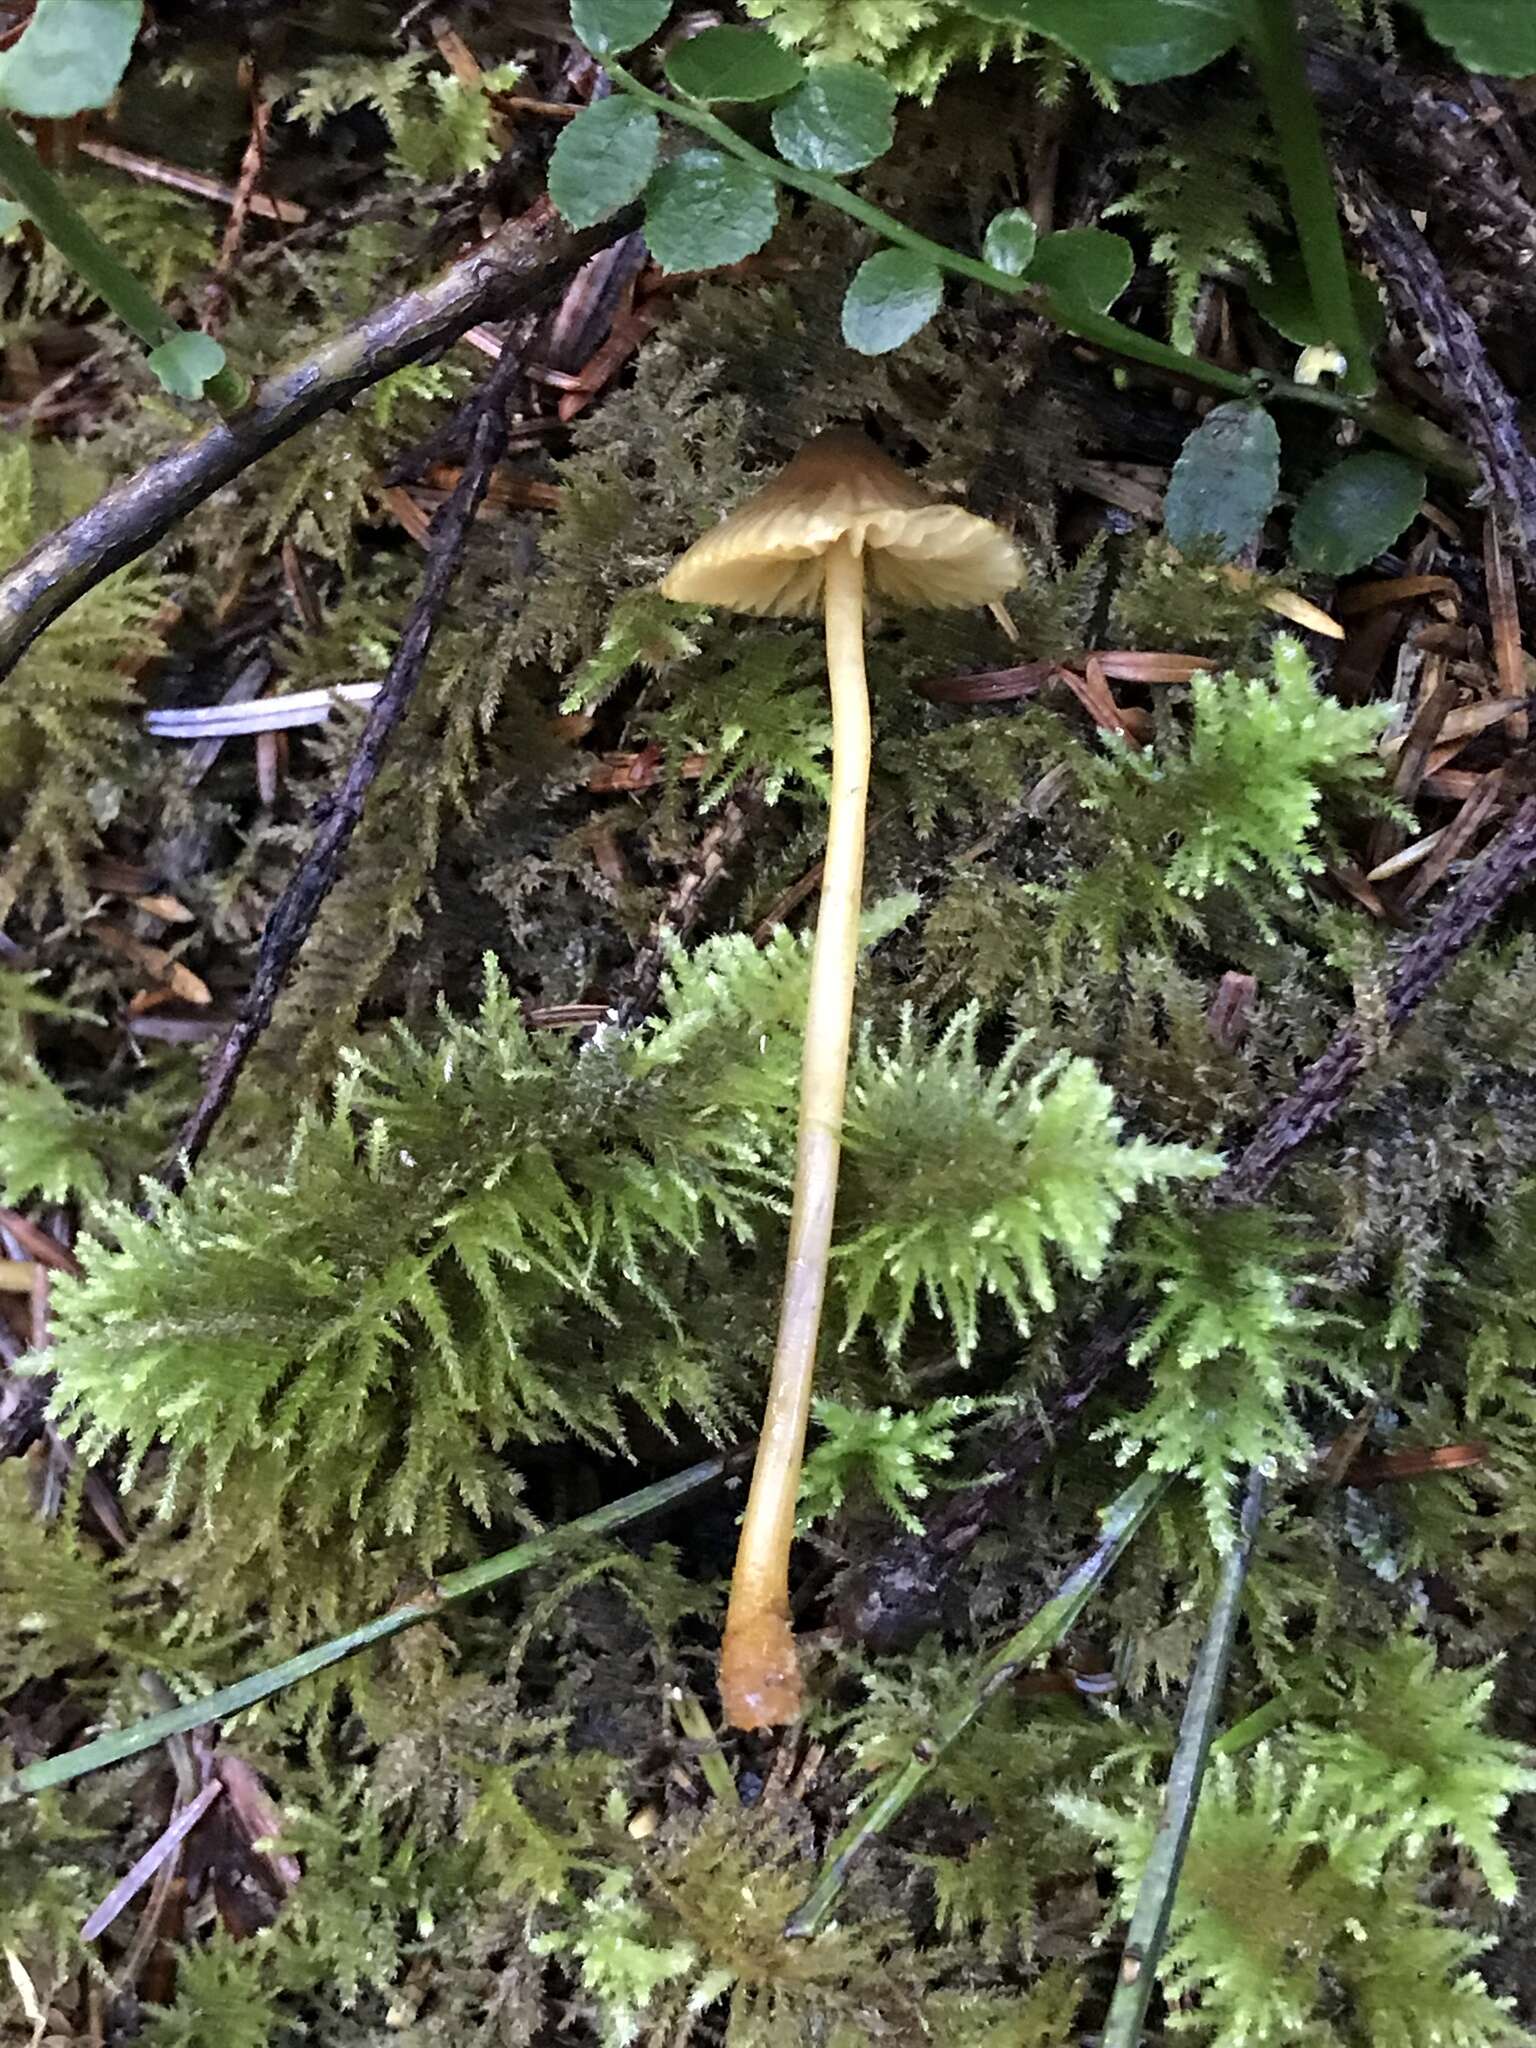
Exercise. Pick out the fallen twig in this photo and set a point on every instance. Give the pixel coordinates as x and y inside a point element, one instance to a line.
<point>155,170</point>
<point>165,1846</point>
<point>1322,1090</point>
<point>517,268</point>
<point>292,920</point>
<point>1485,412</point>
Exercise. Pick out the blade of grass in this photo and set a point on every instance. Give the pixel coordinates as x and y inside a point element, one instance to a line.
<point>1160,1880</point>
<point>1045,1627</point>
<point>113,1747</point>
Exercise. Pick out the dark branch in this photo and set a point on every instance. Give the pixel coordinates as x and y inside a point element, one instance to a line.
<point>1324,1088</point>
<point>293,919</point>
<point>515,269</point>
<point>1486,413</point>
<point>900,1594</point>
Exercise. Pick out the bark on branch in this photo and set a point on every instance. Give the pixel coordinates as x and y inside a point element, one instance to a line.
<point>512,271</point>
<point>294,917</point>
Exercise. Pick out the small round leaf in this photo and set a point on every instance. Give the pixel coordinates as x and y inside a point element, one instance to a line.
<point>1284,299</point>
<point>1354,510</point>
<point>603,159</point>
<point>1225,482</point>
<point>1138,41</point>
<point>734,64</point>
<point>610,27</point>
<point>71,55</point>
<point>1487,35</point>
<point>1010,241</point>
<point>1084,266</point>
<point>890,297</point>
<point>184,362</point>
<point>703,209</point>
<point>841,119</point>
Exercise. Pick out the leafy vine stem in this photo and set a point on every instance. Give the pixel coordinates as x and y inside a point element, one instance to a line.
<point>1393,423</point>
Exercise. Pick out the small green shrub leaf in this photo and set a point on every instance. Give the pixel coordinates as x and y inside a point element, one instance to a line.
<point>1137,41</point>
<point>1284,299</point>
<point>890,297</point>
<point>1084,266</point>
<point>1010,241</point>
<point>603,159</point>
<point>185,362</point>
<point>840,119</point>
<point>610,27</point>
<point>1225,481</point>
<point>1354,511</point>
<point>1487,35</point>
<point>71,56</point>
<point>704,209</point>
<point>734,64</point>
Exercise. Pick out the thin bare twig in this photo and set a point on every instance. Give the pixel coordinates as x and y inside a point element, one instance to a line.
<point>293,919</point>
<point>705,869</point>
<point>166,1847</point>
<point>1323,1089</point>
<point>517,268</point>
<point>1486,414</point>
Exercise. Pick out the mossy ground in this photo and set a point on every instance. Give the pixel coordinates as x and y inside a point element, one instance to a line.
<point>464,1260</point>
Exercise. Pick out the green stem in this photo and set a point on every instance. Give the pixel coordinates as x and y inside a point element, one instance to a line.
<point>56,220</point>
<point>694,1723</point>
<point>1160,1879</point>
<point>1394,425</point>
<point>1255,1726</point>
<point>1275,50</point>
<point>460,1585</point>
<point>1077,320</point>
<point>1045,1627</point>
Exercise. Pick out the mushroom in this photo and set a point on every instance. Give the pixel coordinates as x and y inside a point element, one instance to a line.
<point>839,514</point>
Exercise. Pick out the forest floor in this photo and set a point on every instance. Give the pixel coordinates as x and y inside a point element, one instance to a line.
<point>403,922</point>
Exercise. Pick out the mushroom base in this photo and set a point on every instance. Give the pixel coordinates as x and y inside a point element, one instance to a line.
<point>760,1683</point>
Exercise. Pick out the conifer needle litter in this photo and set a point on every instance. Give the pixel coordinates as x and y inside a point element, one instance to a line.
<point>841,516</point>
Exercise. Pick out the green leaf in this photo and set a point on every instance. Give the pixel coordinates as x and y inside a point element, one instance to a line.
<point>734,64</point>
<point>185,362</point>
<point>610,27</point>
<point>704,209</point>
<point>1137,41</point>
<point>603,159</point>
<point>1085,266</point>
<point>1225,481</point>
<point>1009,244</point>
<point>1354,511</point>
<point>1487,35</point>
<point>1285,301</point>
<point>71,56</point>
<point>11,217</point>
<point>889,297</point>
<point>841,119</point>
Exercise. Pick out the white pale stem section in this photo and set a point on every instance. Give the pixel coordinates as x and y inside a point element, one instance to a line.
<point>759,1678</point>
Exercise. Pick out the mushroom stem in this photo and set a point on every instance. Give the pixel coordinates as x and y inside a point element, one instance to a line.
<point>759,1671</point>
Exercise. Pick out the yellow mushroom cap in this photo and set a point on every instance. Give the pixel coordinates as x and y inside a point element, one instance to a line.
<point>770,555</point>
